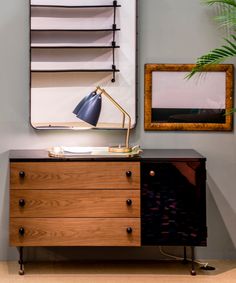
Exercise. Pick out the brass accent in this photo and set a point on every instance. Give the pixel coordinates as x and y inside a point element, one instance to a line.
<point>152,173</point>
<point>120,148</point>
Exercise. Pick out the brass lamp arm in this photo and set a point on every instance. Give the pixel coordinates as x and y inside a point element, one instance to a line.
<point>102,91</point>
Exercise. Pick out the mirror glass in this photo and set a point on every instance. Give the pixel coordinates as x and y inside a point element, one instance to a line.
<point>77,45</point>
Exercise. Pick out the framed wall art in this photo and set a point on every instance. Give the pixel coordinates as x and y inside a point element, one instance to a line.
<point>202,103</point>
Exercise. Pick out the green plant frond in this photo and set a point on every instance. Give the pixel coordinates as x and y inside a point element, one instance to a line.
<point>229,19</point>
<point>230,42</point>
<point>231,111</point>
<point>215,56</point>
<point>226,2</point>
<point>223,51</point>
<point>231,50</point>
<point>227,15</point>
<point>233,36</point>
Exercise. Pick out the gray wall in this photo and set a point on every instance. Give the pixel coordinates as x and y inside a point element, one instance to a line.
<point>170,31</point>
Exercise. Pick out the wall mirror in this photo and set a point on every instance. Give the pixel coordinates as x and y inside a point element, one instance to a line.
<point>173,102</point>
<point>75,46</point>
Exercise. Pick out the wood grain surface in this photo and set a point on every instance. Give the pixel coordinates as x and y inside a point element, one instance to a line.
<point>75,232</point>
<point>75,203</point>
<point>74,175</point>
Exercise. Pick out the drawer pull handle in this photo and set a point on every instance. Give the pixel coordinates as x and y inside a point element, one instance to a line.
<point>128,173</point>
<point>22,174</point>
<point>129,202</point>
<point>152,173</point>
<point>21,231</point>
<point>129,230</point>
<point>21,202</point>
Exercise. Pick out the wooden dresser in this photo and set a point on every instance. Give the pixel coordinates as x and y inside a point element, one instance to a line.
<point>107,201</point>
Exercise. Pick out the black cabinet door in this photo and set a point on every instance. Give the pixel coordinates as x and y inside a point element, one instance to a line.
<point>173,203</point>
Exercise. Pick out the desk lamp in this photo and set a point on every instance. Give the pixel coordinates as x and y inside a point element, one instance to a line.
<point>89,109</point>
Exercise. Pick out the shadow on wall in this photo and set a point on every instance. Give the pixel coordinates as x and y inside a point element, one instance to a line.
<point>221,225</point>
<point>6,253</point>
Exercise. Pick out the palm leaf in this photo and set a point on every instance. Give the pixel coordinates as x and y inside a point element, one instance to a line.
<point>225,2</point>
<point>215,56</point>
<point>231,111</point>
<point>227,11</point>
<point>227,19</point>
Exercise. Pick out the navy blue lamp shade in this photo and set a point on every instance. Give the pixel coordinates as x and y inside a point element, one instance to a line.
<point>89,108</point>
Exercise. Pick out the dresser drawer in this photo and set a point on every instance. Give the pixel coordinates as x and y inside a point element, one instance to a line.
<point>75,175</point>
<point>75,203</point>
<point>74,232</point>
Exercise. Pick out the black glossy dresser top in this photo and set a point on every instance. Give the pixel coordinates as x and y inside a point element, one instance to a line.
<point>147,154</point>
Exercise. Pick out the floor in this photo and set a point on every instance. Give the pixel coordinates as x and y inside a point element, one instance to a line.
<point>117,272</point>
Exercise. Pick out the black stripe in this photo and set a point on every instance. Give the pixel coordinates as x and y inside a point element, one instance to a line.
<point>194,115</point>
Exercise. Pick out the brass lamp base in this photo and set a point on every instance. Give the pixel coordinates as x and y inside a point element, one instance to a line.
<point>120,149</point>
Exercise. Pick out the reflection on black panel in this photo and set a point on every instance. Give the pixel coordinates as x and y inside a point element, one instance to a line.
<point>173,204</point>
<point>178,115</point>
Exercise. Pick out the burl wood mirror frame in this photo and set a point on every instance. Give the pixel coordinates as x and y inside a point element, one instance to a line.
<point>173,102</point>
